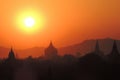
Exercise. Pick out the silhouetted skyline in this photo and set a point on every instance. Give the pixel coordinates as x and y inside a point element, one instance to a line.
<point>82,48</point>
<point>68,67</point>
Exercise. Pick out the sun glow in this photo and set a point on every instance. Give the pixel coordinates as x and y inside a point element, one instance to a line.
<point>30,21</point>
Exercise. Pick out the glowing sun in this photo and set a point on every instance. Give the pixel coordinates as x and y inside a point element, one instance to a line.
<point>29,22</point>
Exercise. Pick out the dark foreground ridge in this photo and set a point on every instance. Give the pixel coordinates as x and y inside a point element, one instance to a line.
<point>93,66</point>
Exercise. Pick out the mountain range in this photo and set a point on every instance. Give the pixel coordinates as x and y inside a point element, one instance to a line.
<point>82,48</point>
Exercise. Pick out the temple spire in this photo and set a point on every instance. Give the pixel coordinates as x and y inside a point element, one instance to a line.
<point>114,49</point>
<point>114,56</point>
<point>11,50</point>
<point>51,44</point>
<point>11,54</point>
<point>51,51</point>
<point>97,48</point>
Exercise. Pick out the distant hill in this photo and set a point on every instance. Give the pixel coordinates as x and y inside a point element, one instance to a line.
<point>84,48</point>
<point>89,46</point>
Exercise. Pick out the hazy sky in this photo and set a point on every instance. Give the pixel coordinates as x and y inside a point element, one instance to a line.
<point>67,21</point>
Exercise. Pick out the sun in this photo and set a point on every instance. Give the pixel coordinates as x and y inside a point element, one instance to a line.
<point>29,22</point>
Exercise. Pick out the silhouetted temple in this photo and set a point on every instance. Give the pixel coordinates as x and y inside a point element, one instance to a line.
<point>114,56</point>
<point>51,52</point>
<point>94,57</point>
<point>97,49</point>
<point>11,55</point>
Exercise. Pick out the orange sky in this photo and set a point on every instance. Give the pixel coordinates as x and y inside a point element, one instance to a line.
<point>67,21</point>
